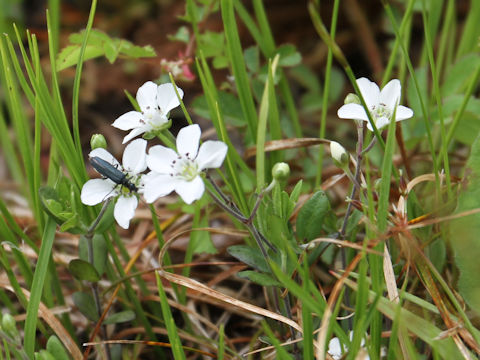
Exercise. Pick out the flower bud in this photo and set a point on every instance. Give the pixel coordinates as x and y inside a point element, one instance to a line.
<point>339,154</point>
<point>98,141</point>
<point>9,325</point>
<point>280,171</point>
<point>352,99</point>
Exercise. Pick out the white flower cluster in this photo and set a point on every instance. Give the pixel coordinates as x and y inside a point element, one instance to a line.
<point>171,170</point>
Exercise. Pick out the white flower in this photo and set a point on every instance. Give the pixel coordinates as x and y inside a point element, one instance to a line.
<point>381,104</point>
<point>335,350</point>
<point>97,190</point>
<point>180,172</point>
<point>155,102</point>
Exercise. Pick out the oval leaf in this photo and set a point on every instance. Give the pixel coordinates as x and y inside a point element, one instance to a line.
<point>259,278</point>
<point>250,256</point>
<point>86,305</point>
<point>55,347</point>
<point>311,216</point>
<point>120,317</point>
<point>100,252</point>
<point>83,270</point>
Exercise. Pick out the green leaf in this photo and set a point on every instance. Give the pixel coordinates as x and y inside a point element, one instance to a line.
<point>107,220</point>
<point>99,43</point>
<point>182,34</point>
<point>468,128</point>
<point>83,270</point>
<point>100,252</point>
<point>295,194</point>
<point>464,233</point>
<point>55,347</point>
<point>229,105</point>
<point>85,304</point>
<point>469,123</point>
<point>412,96</point>
<point>252,59</point>
<point>212,43</point>
<point>202,240</point>
<point>70,224</point>
<point>56,204</point>
<point>44,355</point>
<point>311,216</point>
<point>307,78</point>
<point>459,74</point>
<point>258,278</point>
<point>120,317</point>
<point>250,256</point>
<point>289,56</point>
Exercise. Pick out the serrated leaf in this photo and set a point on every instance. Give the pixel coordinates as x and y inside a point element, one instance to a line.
<point>69,56</point>
<point>135,51</point>
<point>250,256</point>
<point>86,305</point>
<point>258,278</point>
<point>111,49</point>
<point>120,317</point>
<point>311,216</point>
<point>55,347</point>
<point>464,233</point>
<point>99,43</point>
<point>83,270</point>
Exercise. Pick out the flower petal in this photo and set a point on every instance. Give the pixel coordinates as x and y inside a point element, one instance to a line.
<point>211,154</point>
<point>390,94</point>
<point>188,139</point>
<point>95,191</point>
<point>157,185</point>
<point>352,111</point>
<point>403,113</point>
<point>160,159</point>
<point>167,98</point>
<point>125,210</point>
<point>147,96</point>
<point>105,155</point>
<point>134,156</point>
<point>370,92</point>
<point>135,132</point>
<point>380,123</point>
<point>334,348</point>
<point>190,191</point>
<point>129,120</point>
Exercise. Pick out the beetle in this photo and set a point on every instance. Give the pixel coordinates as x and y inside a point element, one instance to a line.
<point>111,172</point>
